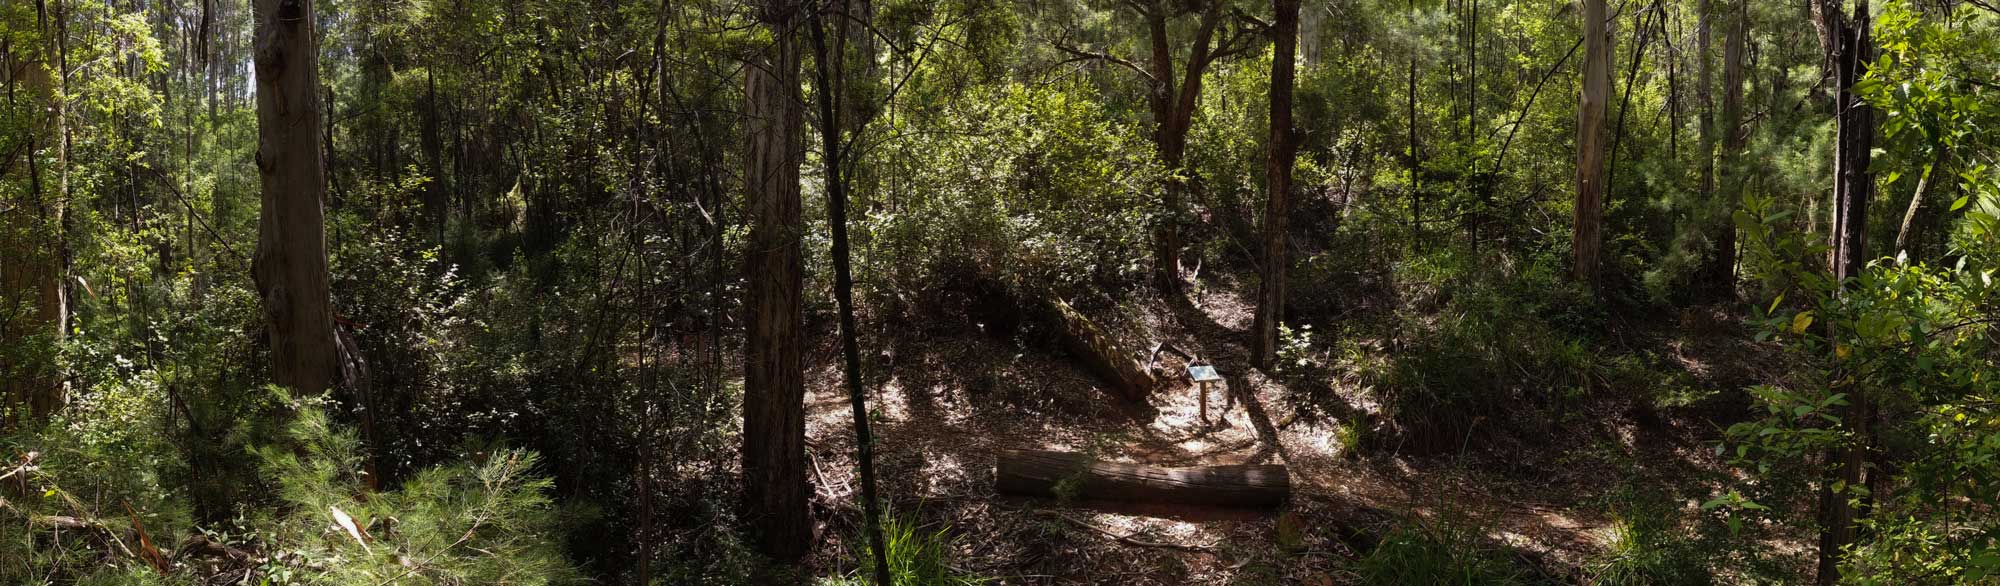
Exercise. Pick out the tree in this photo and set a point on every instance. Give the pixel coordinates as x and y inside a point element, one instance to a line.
<point>775,491</point>
<point>1278,168</point>
<point>1704,94</point>
<point>1416,198</point>
<point>34,304</point>
<point>291,264</point>
<point>830,127</point>
<point>1173,101</point>
<point>1587,234</point>
<point>1721,269</point>
<point>1853,185</point>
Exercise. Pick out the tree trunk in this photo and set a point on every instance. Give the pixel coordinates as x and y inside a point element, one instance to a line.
<point>1283,153</point>
<point>1938,153</point>
<point>775,491</point>
<point>291,265</point>
<point>1416,200</point>
<point>1169,141</point>
<point>1587,236</point>
<point>1074,475</point>
<point>1853,187</point>
<point>1721,269</point>
<point>1173,108</point>
<point>1704,96</point>
<point>436,210</point>
<point>830,129</point>
<point>1112,362</point>
<point>32,302</point>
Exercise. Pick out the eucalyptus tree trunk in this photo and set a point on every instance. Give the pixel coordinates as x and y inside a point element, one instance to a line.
<point>33,302</point>
<point>1283,153</point>
<point>1853,187</point>
<point>1721,269</point>
<point>1587,234</point>
<point>291,264</point>
<point>775,491</point>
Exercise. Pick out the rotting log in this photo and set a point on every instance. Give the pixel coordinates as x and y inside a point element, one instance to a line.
<point>1047,473</point>
<point>1103,355</point>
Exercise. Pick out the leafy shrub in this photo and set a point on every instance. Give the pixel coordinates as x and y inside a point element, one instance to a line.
<point>1031,184</point>
<point>1510,343</point>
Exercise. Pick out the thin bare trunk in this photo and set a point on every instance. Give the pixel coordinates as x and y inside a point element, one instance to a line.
<point>1939,152</point>
<point>826,63</point>
<point>1283,154</point>
<point>1704,96</point>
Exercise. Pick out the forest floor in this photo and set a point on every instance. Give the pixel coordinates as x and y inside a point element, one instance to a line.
<point>949,397</point>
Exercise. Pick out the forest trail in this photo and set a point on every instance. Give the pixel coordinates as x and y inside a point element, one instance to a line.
<point>950,399</point>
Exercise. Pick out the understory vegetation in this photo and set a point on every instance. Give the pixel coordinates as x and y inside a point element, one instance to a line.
<point>476,292</point>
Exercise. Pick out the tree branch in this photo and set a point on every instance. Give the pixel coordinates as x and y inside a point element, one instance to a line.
<point>1078,54</point>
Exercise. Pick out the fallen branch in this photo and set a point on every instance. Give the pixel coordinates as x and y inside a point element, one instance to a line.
<point>1130,538</point>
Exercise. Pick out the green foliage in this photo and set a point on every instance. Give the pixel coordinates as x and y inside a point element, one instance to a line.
<point>1514,343</point>
<point>1912,339</point>
<point>1647,547</point>
<point>918,556</point>
<point>1030,183</point>
<point>488,521</point>
<point>1447,553</point>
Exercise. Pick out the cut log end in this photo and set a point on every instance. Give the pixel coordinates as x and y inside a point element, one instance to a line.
<point>1074,475</point>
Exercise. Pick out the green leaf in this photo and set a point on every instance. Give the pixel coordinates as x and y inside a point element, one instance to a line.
<point>1962,200</point>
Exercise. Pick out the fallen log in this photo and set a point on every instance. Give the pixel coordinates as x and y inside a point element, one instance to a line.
<point>1074,475</point>
<point>1103,355</point>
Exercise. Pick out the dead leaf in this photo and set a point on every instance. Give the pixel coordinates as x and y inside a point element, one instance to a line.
<point>146,550</point>
<point>353,530</point>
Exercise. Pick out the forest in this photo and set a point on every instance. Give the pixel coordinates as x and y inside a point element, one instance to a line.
<point>997,292</point>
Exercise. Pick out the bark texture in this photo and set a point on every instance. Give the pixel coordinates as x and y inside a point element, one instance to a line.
<point>1587,234</point>
<point>1278,206</point>
<point>1112,362</point>
<point>774,473</point>
<point>1074,475</point>
<point>291,265</point>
